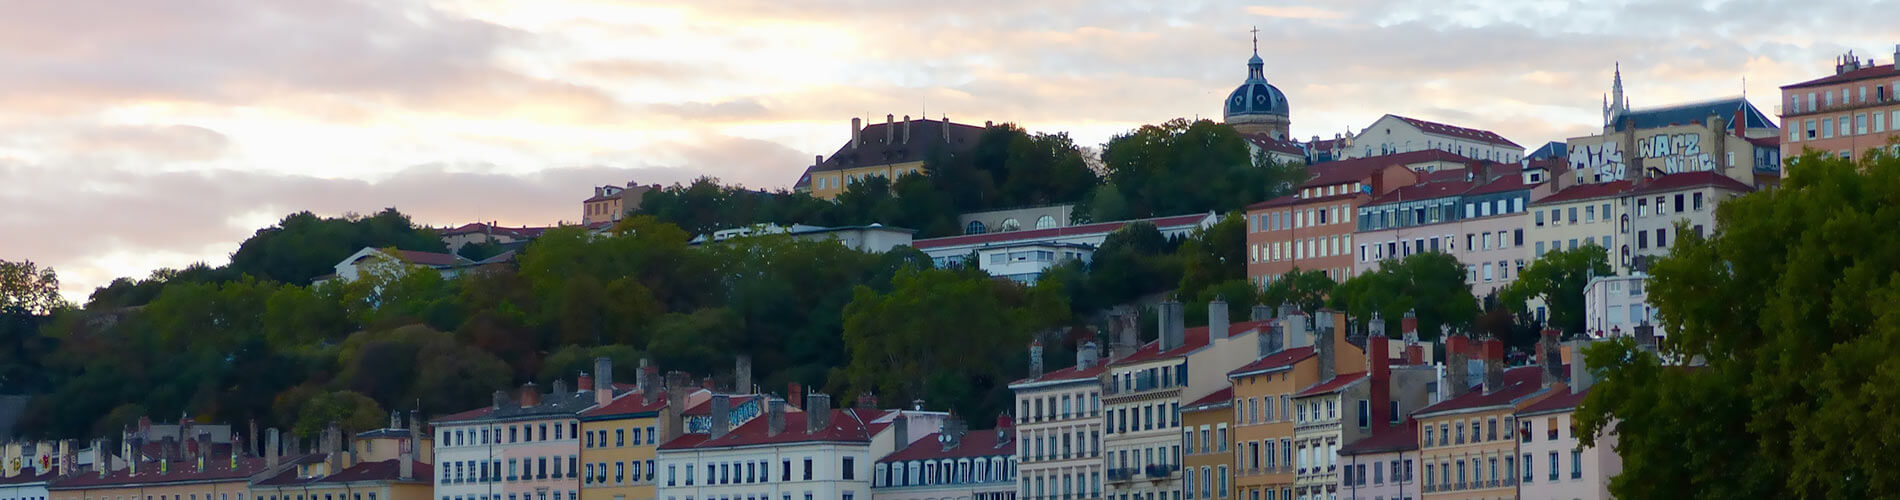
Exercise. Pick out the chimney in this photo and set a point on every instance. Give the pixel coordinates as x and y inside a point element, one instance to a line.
<point>857,133</point>
<point>560,388</point>
<point>774,417</point>
<point>953,430</point>
<point>707,383</point>
<point>817,160</point>
<point>649,381</point>
<point>1172,325</point>
<point>1085,355</point>
<point>900,431</point>
<point>1580,376</point>
<point>1375,328</point>
<point>186,435</point>
<point>676,386</point>
<point>1457,364</point>
<point>742,374</point>
<point>1296,328</point>
<point>273,447</point>
<point>1379,371</point>
<point>1261,312</point>
<point>1035,358</point>
<point>721,415</point>
<point>203,443</point>
<point>817,413</point>
<point>944,126</point>
<point>1549,355</point>
<point>1271,340</point>
<point>1324,347</point>
<point>68,458</point>
<point>100,459</point>
<point>1414,353</point>
<point>603,377</point>
<point>890,129</point>
<point>1493,365</point>
<point>530,397</point>
<point>1123,339</point>
<point>1645,336</point>
<point>906,129</point>
<point>1003,425</point>
<point>795,395</point>
<point>1741,123</point>
<point>1217,327</point>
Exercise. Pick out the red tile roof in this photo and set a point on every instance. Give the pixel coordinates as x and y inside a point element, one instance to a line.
<point>1070,373</point>
<point>1191,340</point>
<point>1385,438</point>
<point>1518,382</point>
<point>1272,361</point>
<point>1337,383</point>
<point>1688,180</point>
<point>1267,142</point>
<point>705,407</point>
<point>1359,168</point>
<point>1425,191</point>
<point>387,470</point>
<point>1562,401</point>
<point>427,258</point>
<point>984,443</point>
<point>1881,71</point>
<point>1224,395</point>
<point>1507,182</point>
<point>27,476</point>
<point>467,415</point>
<point>177,471</point>
<point>690,440</point>
<point>626,403</point>
<point>1290,200</point>
<point>1052,233</point>
<point>1587,192</point>
<point>847,425</point>
<point>1459,132</point>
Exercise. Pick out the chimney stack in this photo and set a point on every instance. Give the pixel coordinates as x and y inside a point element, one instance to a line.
<point>1324,347</point>
<point>944,126</point>
<point>1549,354</point>
<point>1379,373</point>
<point>530,396</point>
<point>676,385</point>
<point>1414,353</point>
<point>1217,327</point>
<point>742,374</point>
<point>774,417</point>
<point>867,400</point>
<point>649,382</point>
<point>1085,355</point>
<point>273,447</point>
<point>1261,312</point>
<point>953,431</point>
<point>1580,376</point>
<point>906,129</point>
<point>560,388</point>
<point>498,399</point>
<point>1457,362</point>
<point>1123,339</point>
<point>586,383</point>
<point>795,395</point>
<point>817,413</point>
<point>857,133</point>
<point>890,129</point>
<point>1493,365</point>
<point>1297,328</point>
<point>1035,358</point>
<point>709,384</point>
<point>100,459</point>
<point>900,430</point>
<point>1172,325</point>
<point>721,415</point>
<point>1003,426</point>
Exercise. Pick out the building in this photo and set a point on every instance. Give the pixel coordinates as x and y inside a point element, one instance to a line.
<point>1392,134</point>
<point>383,464</point>
<point>1263,147</point>
<point>1555,465</point>
<point>1263,405</point>
<point>29,468</point>
<point>1016,219</point>
<point>1476,215</point>
<point>956,463</point>
<point>1855,110</point>
<point>526,448</point>
<point>1579,215</point>
<point>1662,203</point>
<point>611,203</point>
<point>952,251</point>
<point>1312,229</point>
<point>889,150</point>
<point>1614,305</point>
<point>619,435</point>
<point>1728,135</point>
<point>179,474</point>
<point>489,232</point>
<point>1381,466</point>
<point>1026,262</point>
<point>1257,107</point>
<point>1143,393</point>
<point>1207,460</point>
<point>371,260</point>
<point>873,238</point>
<point>1059,426</point>
<point>1355,403</point>
<point>819,453</point>
<point>1466,445</point>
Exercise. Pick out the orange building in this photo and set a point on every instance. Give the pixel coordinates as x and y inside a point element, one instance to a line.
<point>1266,454</point>
<point>1845,114</point>
<point>1467,443</point>
<point>1312,228</point>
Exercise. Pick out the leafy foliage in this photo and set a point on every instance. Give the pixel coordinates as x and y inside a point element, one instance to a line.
<point>1432,284</point>
<point>27,288</point>
<point>1182,167</point>
<point>1558,278</point>
<point>1305,289</point>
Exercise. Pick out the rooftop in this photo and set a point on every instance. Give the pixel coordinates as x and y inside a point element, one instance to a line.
<point>1518,382</point>
<point>847,425</point>
<point>1582,192</point>
<point>1334,385</point>
<point>1193,339</point>
<point>1221,397</point>
<point>1459,132</point>
<point>1385,438</point>
<point>1560,402</point>
<point>1354,169</point>
<point>926,135</point>
<point>1695,113</point>
<point>1869,72</point>
<point>982,443</point>
<point>1687,180</point>
<point>1273,361</point>
<point>1164,223</point>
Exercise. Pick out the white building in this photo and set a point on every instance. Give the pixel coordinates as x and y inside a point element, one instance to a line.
<point>1027,261</point>
<point>527,448</point>
<point>1059,427</point>
<point>25,478</point>
<point>1614,305</point>
<point>1146,389</point>
<point>953,464</point>
<point>821,453</point>
<point>1660,203</point>
<point>874,238</point>
<point>1397,134</point>
<point>1016,219</point>
<point>1555,465</point>
<point>377,260</point>
<point>955,250</point>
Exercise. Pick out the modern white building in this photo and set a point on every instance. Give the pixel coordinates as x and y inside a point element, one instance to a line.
<point>377,260</point>
<point>956,463</point>
<point>874,238</point>
<point>958,250</point>
<point>821,453</point>
<point>1059,427</point>
<point>1397,134</point>
<point>1016,219</point>
<point>1027,261</point>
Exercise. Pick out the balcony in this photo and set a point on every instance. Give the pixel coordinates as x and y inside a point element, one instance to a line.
<point>1119,474</point>
<point>1510,481</point>
<point>1159,472</point>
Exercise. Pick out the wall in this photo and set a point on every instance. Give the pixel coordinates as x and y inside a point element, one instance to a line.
<point>1645,219</point>
<point>1595,465</point>
<point>827,481</point>
<point>1383,483</point>
<point>1863,105</point>
<point>1040,423</point>
<point>1026,218</point>
<point>1609,300</point>
<point>1389,135</point>
<point>826,185</point>
<point>1206,455</point>
<point>633,457</point>
<point>1275,427</point>
<point>1442,456</point>
<point>559,449</point>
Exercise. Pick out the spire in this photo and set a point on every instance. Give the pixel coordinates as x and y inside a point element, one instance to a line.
<point>1256,40</point>
<point>1254,64</point>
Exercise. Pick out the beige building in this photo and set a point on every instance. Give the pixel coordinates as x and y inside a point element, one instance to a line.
<point>1465,442</point>
<point>1393,134</point>
<point>1659,204</point>
<point>1846,114</point>
<point>611,203</point>
<point>888,150</point>
<point>1207,458</point>
<point>1729,135</point>
<point>1143,394</point>
<point>620,432</point>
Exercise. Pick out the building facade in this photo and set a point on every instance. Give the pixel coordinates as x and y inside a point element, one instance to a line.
<point>1660,204</point>
<point>1555,465</point>
<point>956,463</point>
<point>951,251</point>
<point>1613,306</point>
<point>890,150</point>
<point>1466,445</point>
<point>526,448</point>
<point>1207,456</point>
<point>1059,426</point>
<point>619,435</point>
<point>1479,221</point>
<point>1312,229</point>
<point>1016,219</point>
<point>611,203</point>
<point>1393,134</point>
<point>1845,114</point>
<point>1380,466</point>
<point>820,453</point>
<point>1263,408</point>
<point>1580,215</point>
<point>1144,391</point>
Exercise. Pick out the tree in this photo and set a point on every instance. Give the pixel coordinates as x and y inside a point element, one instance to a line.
<point>1558,278</point>
<point>1133,261</point>
<point>303,246</point>
<point>1181,167</point>
<point>26,287</point>
<point>1788,307</point>
<point>1431,284</point>
<point>351,412</point>
<point>1305,289</point>
<point>1215,254</point>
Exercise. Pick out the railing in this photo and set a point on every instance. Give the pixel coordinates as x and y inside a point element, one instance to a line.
<point>1121,474</point>
<point>1510,481</point>
<point>1492,483</point>
<point>1159,471</point>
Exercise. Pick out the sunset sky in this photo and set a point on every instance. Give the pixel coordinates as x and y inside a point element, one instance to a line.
<point>148,134</point>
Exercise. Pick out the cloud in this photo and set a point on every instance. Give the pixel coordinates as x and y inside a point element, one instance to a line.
<point>1295,12</point>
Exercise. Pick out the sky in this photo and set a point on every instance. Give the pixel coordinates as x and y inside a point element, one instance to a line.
<point>141,135</point>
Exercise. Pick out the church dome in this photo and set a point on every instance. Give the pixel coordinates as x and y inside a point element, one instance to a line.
<point>1255,97</point>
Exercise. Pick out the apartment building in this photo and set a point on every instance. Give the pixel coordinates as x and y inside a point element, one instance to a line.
<point>1475,215</point>
<point>1263,407</point>
<point>383,464</point>
<point>1581,215</point>
<point>526,448</point>
<point>1351,406</point>
<point>822,452</point>
<point>1728,135</point>
<point>1207,458</point>
<point>619,434</point>
<point>889,150</point>
<point>956,463</point>
<point>1556,465</point>
<point>1658,205</point>
<point>1393,134</point>
<point>1312,229</point>
<point>1143,394</point>
<point>1059,431</point>
<point>1381,466</point>
<point>1465,444</point>
<point>1848,113</point>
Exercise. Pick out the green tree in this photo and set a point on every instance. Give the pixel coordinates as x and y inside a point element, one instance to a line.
<point>1788,310</point>
<point>351,412</point>
<point>1305,289</point>
<point>1215,254</point>
<point>26,287</point>
<point>1558,278</point>
<point>1432,284</point>
<point>1133,261</point>
<point>1182,167</point>
<point>303,246</point>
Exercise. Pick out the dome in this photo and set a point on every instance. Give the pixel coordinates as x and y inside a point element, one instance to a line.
<point>1255,96</point>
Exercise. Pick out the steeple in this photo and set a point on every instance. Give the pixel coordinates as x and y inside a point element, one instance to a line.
<point>1615,105</point>
<point>1255,65</point>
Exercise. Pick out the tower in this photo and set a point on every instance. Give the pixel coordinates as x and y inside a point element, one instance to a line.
<point>1257,107</point>
<point>1615,105</point>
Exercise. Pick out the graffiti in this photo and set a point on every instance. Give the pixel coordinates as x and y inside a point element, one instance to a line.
<point>1679,153</point>
<point>1604,160</point>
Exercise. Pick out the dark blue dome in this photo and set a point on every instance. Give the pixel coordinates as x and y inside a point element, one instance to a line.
<point>1255,96</point>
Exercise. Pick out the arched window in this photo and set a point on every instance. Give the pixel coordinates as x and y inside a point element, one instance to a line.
<point>1046,222</point>
<point>975,227</point>
<point>1011,224</point>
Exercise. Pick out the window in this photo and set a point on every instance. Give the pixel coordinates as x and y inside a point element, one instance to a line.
<point>1576,464</point>
<point>1553,466</point>
<point>808,469</point>
<point>1365,413</point>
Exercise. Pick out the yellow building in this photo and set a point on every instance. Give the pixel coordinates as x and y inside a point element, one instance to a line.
<point>1467,442</point>
<point>1208,458</point>
<point>1263,450</point>
<point>889,150</point>
<point>619,435</point>
<point>383,464</point>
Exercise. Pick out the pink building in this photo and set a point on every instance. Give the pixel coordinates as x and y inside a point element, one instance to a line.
<point>526,448</point>
<point>1475,214</point>
<point>1555,467</point>
<point>1381,466</point>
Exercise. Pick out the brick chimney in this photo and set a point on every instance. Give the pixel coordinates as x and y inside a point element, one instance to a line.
<point>677,384</point>
<point>1217,327</point>
<point>906,129</point>
<point>1035,358</point>
<point>1457,365</point>
<point>795,394</point>
<point>1493,365</point>
<point>530,396</point>
<point>817,413</point>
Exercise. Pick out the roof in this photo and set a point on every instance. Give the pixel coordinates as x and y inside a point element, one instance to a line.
<point>982,443</point>
<point>1223,396</point>
<point>926,135</point>
<point>1458,132</point>
<point>1057,232</point>
<point>387,470</point>
<point>1552,149</point>
<point>1290,200</point>
<point>26,476</point>
<point>1582,192</point>
<point>1269,143</point>
<point>1353,169</point>
<point>1694,112</point>
<point>428,258</point>
<point>705,407</point>
<point>1385,438</point>
<point>1425,191</point>
<point>552,405</point>
<point>1686,180</point>
<point>1192,339</point>
<point>1769,141</point>
<point>177,471</point>
<point>1337,383</point>
<point>847,425</point>
<point>1560,402</point>
<point>1070,373</point>
<point>628,403</point>
<point>1501,184</point>
<point>484,228</point>
<point>1870,72</point>
<point>1518,382</point>
<point>1273,361</point>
